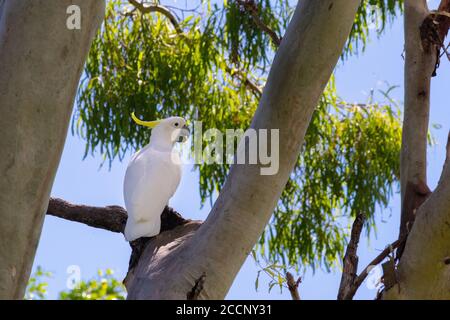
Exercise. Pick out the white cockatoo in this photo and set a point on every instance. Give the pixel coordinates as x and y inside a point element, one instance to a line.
<point>152,177</point>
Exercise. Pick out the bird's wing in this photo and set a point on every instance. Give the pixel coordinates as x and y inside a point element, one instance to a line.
<point>150,181</point>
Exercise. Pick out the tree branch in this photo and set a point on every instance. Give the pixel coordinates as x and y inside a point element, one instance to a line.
<point>252,9</point>
<point>293,285</point>
<point>111,218</point>
<point>350,263</point>
<point>160,9</point>
<point>423,268</point>
<point>257,91</point>
<point>350,281</point>
<point>114,218</point>
<point>420,61</point>
<point>378,259</point>
<point>300,71</point>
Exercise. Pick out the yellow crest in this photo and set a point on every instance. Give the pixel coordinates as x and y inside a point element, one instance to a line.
<point>150,124</point>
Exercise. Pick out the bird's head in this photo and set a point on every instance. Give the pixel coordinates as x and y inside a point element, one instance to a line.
<point>169,130</point>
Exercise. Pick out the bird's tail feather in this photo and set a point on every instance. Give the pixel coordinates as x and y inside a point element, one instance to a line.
<point>135,230</point>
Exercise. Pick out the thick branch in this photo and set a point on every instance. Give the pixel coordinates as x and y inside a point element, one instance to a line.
<point>301,69</point>
<point>114,218</point>
<point>423,270</point>
<point>111,218</point>
<point>420,61</point>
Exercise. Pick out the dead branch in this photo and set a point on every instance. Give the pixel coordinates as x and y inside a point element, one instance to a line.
<point>350,281</point>
<point>350,262</point>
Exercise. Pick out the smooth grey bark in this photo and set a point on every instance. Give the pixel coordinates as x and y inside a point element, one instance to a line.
<point>301,69</point>
<point>40,66</point>
<point>420,61</point>
<point>424,268</point>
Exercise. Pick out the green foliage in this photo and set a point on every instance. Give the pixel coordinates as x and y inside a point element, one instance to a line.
<point>141,63</point>
<point>275,272</point>
<point>103,287</point>
<point>37,286</point>
<point>349,164</point>
<point>138,63</point>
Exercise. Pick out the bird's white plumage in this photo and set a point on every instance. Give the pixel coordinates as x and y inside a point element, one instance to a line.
<point>151,179</point>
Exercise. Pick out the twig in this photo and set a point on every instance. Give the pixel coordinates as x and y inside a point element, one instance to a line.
<point>257,91</point>
<point>383,254</point>
<point>358,280</point>
<point>293,285</point>
<point>160,9</point>
<point>350,263</point>
<point>252,9</point>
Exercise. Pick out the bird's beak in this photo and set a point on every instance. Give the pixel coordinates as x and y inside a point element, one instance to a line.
<point>150,124</point>
<point>184,134</point>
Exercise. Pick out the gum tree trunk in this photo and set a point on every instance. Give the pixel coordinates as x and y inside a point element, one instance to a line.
<point>41,61</point>
<point>424,268</point>
<point>203,261</point>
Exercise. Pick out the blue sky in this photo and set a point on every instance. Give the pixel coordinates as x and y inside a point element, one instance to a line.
<point>64,243</point>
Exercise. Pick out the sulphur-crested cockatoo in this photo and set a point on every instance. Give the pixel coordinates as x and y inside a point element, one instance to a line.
<point>152,177</point>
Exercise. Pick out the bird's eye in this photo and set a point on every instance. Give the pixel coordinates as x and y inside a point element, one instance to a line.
<point>176,124</point>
